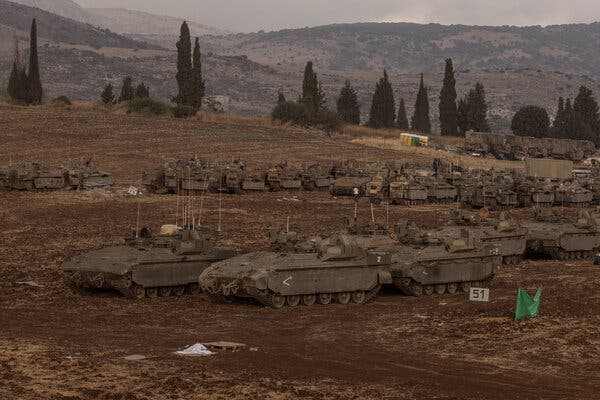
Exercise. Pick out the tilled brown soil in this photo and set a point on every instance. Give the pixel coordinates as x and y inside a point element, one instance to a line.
<point>56,343</point>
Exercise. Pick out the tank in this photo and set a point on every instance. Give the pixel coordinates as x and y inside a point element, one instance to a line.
<point>558,238</point>
<point>534,193</point>
<point>346,186</point>
<point>341,271</point>
<point>378,187</point>
<point>505,234</point>
<point>422,265</point>
<point>571,194</point>
<point>162,265</point>
<point>316,178</point>
<point>284,177</point>
<point>407,192</point>
<point>227,179</point>
<point>34,177</point>
<point>87,176</point>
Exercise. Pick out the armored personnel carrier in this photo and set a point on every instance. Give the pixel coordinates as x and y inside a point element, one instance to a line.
<point>348,185</point>
<point>253,181</point>
<point>34,177</point>
<point>164,179</point>
<point>162,265</point>
<point>340,271</point>
<point>534,193</point>
<point>426,265</point>
<point>571,194</point>
<point>558,238</point>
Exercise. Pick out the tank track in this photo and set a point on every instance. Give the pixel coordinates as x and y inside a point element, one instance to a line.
<point>415,289</point>
<point>266,298</point>
<point>560,254</point>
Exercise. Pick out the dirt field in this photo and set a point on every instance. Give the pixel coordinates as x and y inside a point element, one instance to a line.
<point>59,344</point>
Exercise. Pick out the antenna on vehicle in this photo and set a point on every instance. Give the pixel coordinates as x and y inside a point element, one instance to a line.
<point>372,214</point>
<point>220,198</point>
<point>287,227</point>
<point>137,223</point>
<point>387,215</point>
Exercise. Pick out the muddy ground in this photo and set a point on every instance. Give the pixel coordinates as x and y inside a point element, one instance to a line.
<point>56,343</point>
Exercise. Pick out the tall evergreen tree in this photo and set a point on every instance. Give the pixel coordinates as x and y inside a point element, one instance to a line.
<point>402,117</point>
<point>347,105</point>
<point>531,121</point>
<point>281,98</point>
<point>184,67</point>
<point>586,106</point>
<point>448,110</point>
<point>383,106</point>
<point>108,97</point>
<point>420,120</point>
<point>198,84</point>
<point>127,90</point>
<point>312,93</point>
<point>15,83</point>
<point>142,91</point>
<point>462,111</point>
<point>35,91</point>
<point>478,109</point>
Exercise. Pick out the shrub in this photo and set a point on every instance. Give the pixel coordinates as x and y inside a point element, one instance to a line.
<point>329,120</point>
<point>147,105</point>
<point>182,111</point>
<point>63,100</point>
<point>293,112</point>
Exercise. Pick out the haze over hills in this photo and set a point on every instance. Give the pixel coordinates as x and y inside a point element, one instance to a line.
<point>120,20</point>
<point>406,47</point>
<point>518,66</point>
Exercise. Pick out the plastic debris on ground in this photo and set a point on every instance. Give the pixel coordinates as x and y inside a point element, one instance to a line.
<point>135,357</point>
<point>198,350</point>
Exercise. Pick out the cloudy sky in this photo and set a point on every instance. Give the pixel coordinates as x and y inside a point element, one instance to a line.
<point>253,15</point>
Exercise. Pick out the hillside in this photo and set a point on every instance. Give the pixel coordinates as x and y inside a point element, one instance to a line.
<point>406,47</point>
<point>120,20</point>
<point>54,29</point>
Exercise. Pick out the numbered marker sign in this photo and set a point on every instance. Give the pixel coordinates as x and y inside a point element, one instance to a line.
<point>479,294</point>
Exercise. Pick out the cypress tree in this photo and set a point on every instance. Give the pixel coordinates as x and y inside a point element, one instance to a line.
<point>107,95</point>
<point>184,67</point>
<point>142,91</point>
<point>462,111</point>
<point>448,110</point>
<point>347,105</point>
<point>198,85</point>
<point>35,91</point>
<point>586,106</point>
<point>23,86</point>
<point>127,90</point>
<point>383,106</point>
<point>313,97</point>
<point>281,101</point>
<point>402,117</point>
<point>560,112</point>
<point>420,120</point>
<point>477,109</point>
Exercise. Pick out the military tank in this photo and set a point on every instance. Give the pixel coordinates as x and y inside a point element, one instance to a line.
<point>87,176</point>
<point>424,265</point>
<point>316,178</point>
<point>558,238</point>
<point>147,265</point>
<point>32,176</point>
<point>341,271</point>
<point>407,192</point>
<point>507,236</point>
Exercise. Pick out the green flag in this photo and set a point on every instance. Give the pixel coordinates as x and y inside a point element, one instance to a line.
<point>526,306</point>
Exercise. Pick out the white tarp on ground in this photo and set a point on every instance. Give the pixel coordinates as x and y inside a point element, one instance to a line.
<point>195,350</point>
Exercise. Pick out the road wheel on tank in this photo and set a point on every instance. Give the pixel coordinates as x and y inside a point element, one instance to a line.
<point>293,301</point>
<point>415,289</point>
<point>277,300</point>
<point>137,291</point>
<point>440,289</point>
<point>465,287</point>
<point>452,288</point>
<point>193,289</point>
<point>359,297</point>
<point>152,292</point>
<point>343,298</point>
<point>309,299</point>
<point>428,290</point>
<point>164,291</point>
<point>179,291</point>
<point>324,298</point>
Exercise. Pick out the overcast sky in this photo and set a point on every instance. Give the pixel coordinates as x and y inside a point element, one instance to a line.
<point>254,15</point>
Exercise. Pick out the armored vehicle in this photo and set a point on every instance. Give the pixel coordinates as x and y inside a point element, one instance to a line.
<point>316,177</point>
<point>3,180</point>
<point>348,185</point>
<point>164,179</point>
<point>227,179</point>
<point>87,176</point>
<point>33,177</point>
<point>284,177</point>
<point>340,271</point>
<point>407,192</point>
<point>552,236</point>
<point>253,181</point>
<point>162,265</point>
<point>508,237</point>
<point>425,265</point>
<point>378,187</point>
<point>571,194</point>
<point>534,193</point>
<point>439,191</point>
